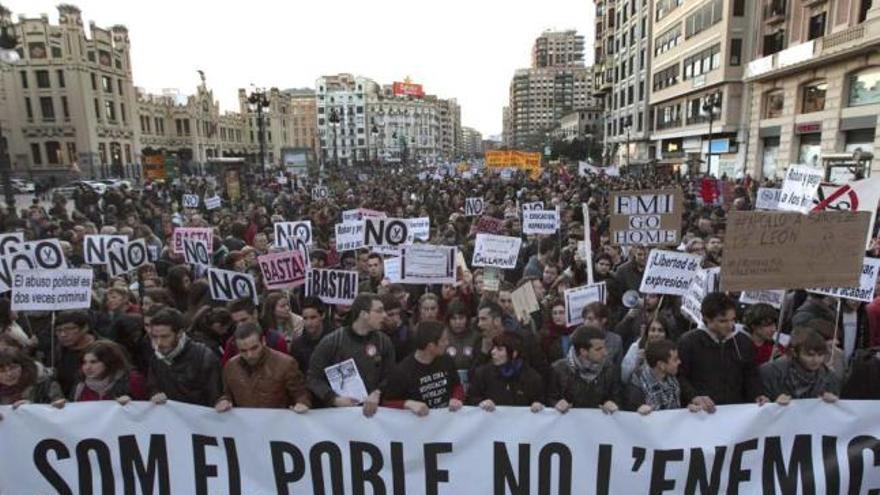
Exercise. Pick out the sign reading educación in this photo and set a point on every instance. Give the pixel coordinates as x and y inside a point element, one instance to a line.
<point>104,448</point>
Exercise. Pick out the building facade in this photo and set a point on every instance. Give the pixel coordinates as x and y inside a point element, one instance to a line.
<point>341,102</point>
<point>815,84</point>
<point>558,49</point>
<point>472,142</point>
<point>404,128</point>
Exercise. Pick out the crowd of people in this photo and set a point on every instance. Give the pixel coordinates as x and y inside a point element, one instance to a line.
<point>156,333</point>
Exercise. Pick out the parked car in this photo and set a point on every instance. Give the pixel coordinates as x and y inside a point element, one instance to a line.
<point>68,189</point>
<point>116,183</point>
<point>22,186</point>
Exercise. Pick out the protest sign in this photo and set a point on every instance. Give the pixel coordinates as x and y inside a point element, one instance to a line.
<point>290,230</point>
<point>536,205</point>
<point>387,232</point>
<point>52,290</point>
<point>786,250</point>
<point>541,222</point>
<point>320,192</point>
<point>195,252</point>
<point>349,236</point>
<point>427,264</point>
<point>488,225</point>
<point>191,449</point>
<point>578,298</point>
<point>190,201</point>
<point>281,180</point>
<point>525,302</point>
<point>496,251</point>
<point>799,188</point>
<point>646,217</point>
<point>473,207</point>
<point>332,286</point>
<point>585,169</point>
<point>45,254</point>
<point>386,250</point>
<point>767,199</point>
<point>345,380</point>
<point>202,233</point>
<point>227,285</point>
<point>284,270</point>
<point>95,247</point>
<point>864,291</point>
<point>359,214</point>
<point>860,195</point>
<point>705,281</point>
<point>419,229</point>
<point>391,267</point>
<point>127,257</point>
<point>774,298</point>
<point>9,242</point>
<point>213,202</point>
<point>669,272</point>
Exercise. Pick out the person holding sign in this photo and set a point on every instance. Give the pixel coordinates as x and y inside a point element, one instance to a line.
<point>653,386</point>
<point>802,373</point>
<point>361,342</point>
<point>507,380</point>
<point>586,377</point>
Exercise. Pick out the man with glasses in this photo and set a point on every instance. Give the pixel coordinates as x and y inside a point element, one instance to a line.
<point>74,334</point>
<point>366,345</point>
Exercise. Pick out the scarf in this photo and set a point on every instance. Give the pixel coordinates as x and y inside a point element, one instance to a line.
<point>802,383</point>
<point>171,356</point>
<point>98,385</point>
<point>585,369</point>
<point>511,368</point>
<point>664,394</point>
<point>554,330</point>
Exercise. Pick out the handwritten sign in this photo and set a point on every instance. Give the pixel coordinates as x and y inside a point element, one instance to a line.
<point>651,218</point>
<point>799,188</point>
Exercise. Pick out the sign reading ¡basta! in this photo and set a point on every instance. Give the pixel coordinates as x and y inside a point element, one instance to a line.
<point>651,218</point>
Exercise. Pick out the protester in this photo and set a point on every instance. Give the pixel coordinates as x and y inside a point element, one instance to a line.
<point>278,317</point>
<point>314,329</point>
<point>464,341</point>
<point>802,372</point>
<point>508,379</point>
<point>586,378</point>
<point>654,386</point>
<point>396,328</point>
<point>656,330</point>
<point>244,310</point>
<point>74,335</point>
<point>760,322</point>
<point>25,381</point>
<point>107,375</point>
<point>597,314</point>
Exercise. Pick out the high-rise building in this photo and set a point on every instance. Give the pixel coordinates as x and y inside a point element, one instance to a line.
<point>473,141</point>
<point>558,49</point>
<point>303,119</point>
<point>342,124</point>
<point>404,128</point>
<point>815,85</point>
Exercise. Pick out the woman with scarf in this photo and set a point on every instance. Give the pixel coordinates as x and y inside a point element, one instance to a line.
<point>803,372</point>
<point>656,330</point>
<point>556,335</point>
<point>507,380</point>
<point>278,316</point>
<point>106,375</point>
<point>586,377</point>
<point>25,381</point>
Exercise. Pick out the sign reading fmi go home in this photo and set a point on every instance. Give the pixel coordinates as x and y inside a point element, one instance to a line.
<point>651,218</point>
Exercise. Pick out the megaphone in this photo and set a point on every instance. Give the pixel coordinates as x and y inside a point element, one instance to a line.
<point>632,299</point>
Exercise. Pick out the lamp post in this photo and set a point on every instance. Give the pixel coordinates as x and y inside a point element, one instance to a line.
<point>712,101</point>
<point>334,122</point>
<point>628,128</point>
<point>259,101</point>
<point>8,42</point>
<point>375,133</point>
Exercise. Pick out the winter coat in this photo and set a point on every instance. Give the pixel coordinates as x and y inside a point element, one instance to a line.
<point>192,377</point>
<point>566,384</point>
<point>723,370</point>
<point>275,381</point>
<point>522,389</point>
<point>864,378</point>
<point>775,378</point>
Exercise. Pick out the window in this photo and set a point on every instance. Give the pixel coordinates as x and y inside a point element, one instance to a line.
<point>735,52</point>
<point>774,101</point>
<point>36,155</point>
<point>664,7</point>
<point>668,40</point>
<point>107,84</point>
<point>71,152</point>
<point>60,74</point>
<point>186,126</point>
<point>666,77</point>
<point>97,109</point>
<point>110,111</point>
<point>56,52</point>
<point>119,85</point>
<point>43,79</point>
<point>739,8</point>
<point>65,111</point>
<point>102,152</point>
<point>695,108</point>
<point>774,43</point>
<point>47,109</point>
<point>94,82</point>
<point>122,113</point>
<point>814,97</point>
<point>864,87</point>
<point>127,153</point>
<point>24,79</point>
<point>28,110</point>
<point>705,17</point>
<point>817,26</point>
<point>53,152</point>
<point>702,62</point>
<point>669,116</point>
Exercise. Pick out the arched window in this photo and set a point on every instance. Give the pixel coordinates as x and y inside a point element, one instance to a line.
<point>774,101</point>
<point>813,96</point>
<point>864,87</point>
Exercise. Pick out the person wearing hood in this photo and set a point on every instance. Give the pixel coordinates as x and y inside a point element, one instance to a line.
<point>802,372</point>
<point>586,377</point>
<point>717,360</point>
<point>507,380</point>
<point>25,381</point>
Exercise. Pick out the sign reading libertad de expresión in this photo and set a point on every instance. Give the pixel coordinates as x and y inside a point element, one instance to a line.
<point>651,218</point>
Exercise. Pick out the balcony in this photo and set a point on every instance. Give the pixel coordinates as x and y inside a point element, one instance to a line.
<point>670,124</point>
<point>774,12</point>
<point>851,42</point>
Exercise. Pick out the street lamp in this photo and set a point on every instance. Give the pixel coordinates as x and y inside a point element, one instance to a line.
<point>8,42</point>
<point>711,102</point>
<point>334,122</point>
<point>628,129</point>
<point>258,100</point>
<point>375,133</point>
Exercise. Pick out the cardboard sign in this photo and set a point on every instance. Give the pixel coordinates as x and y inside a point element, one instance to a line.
<point>332,286</point>
<point>95,247</point>
<point>799,188</point>
<point>864,291</point>
<point>774,298</point>
<point>669,272</point>
<point>488,225</point>
<point>651,217</point>
<point>213,202</point>
<point>200,233</point>
<point>9,242</point>
<point>767,199</point>
<point>190,201</point>
<point>525,302</point>
<point>473,207</point>
<point>703,283</point>
<point>578,298</point>
<point>125,258</point>
<point>283,270</point>
<point>195,252</point>
<point>290,230</point>
<point>785,250</point>
<point>496,251</point>
<point>52,290</point>
<point>426,264</point>
<point>541,222</point>
<point>349,236</point>
<point>227,285</point>
<point>320,192</point>
<point>537,205</point>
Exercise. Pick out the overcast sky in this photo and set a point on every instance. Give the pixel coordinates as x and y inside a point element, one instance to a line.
<point>464,49</point>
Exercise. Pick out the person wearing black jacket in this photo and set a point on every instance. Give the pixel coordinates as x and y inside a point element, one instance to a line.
<point>586,377</point>
<point>181,369</point>
<point>490,321</point>
<point>314,329</point>
<point>717,361</point>
<point>507,380</point>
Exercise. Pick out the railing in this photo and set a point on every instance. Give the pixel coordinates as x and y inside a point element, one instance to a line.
<point>668,125</point>
<point>852,34</point>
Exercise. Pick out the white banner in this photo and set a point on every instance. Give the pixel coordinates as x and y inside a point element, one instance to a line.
<point>293,230</point>
<point>427,264</point>
<point>284,270</point>
<point>578,298</point>
<point>474,207</point>
<point>867,282</point>
<point>496,251</point>
<point>767,199</point>
<point>95,247</point>
<point>51,290</point>
<point>799,188</point>
<point>774,298</point>
<point>332,286</point>
<point>204,233</point>
<point>189,449</point>
<point>669,272</point>
<point>349,236</point>
<point>542,222</point>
